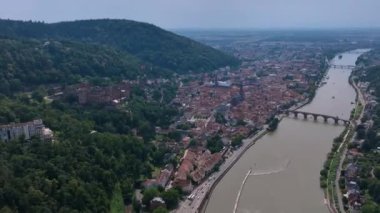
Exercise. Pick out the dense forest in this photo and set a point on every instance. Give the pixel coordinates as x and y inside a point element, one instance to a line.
<point>68,176</point>
<point>145,41</point>
<point>94,152</point>
<point>28,63</point>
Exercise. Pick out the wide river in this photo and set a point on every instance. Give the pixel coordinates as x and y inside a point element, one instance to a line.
<point>295,153</point>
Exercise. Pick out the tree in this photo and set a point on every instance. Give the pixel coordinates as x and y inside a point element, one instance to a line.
<point>146,130</point>
<point>175,135</point>
<point>374,190</point>
<point>241,122</point>
<point>273,124</point>
<point>38,95</point>
<point>376,172</point>
<point>171,198</point>
<point>215,144</point>
<point>160,210</point>
<point>323,173</point>
<point>219,118</point>
<point>117,202</point>
<point>370,208</point>
<point>193,143</point>
<point>237,141</point>
<point>148,195</point>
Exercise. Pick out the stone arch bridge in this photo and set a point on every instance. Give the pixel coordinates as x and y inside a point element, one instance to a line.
<point>305,115</point>
<point>335,66</point>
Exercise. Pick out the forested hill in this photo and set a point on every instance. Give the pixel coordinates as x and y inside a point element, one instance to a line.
<point>100,154</point>
<point>31,63</point>
<point>145,41</point>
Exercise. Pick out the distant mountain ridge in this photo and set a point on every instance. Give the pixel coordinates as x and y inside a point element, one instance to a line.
<point>144,41</point>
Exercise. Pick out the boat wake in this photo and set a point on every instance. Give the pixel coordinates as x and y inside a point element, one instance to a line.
<point>256,173</point>
<point>269,172</point>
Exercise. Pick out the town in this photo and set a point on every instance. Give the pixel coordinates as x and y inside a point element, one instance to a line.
<point>218,111</point>
<point>190,106</point>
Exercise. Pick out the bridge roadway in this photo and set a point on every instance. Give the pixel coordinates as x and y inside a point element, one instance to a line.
<point>336,66</point>
<point>336,119</point>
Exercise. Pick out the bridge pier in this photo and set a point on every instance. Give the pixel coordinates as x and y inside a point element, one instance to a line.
<point>315,117</point>
<point>336,120</point>
<point>325,118</point>
<point>304,116</point>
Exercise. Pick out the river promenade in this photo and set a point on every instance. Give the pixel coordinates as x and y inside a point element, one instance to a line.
<point>202,191</point>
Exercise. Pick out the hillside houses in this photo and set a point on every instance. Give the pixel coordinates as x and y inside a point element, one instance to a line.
<point>195,165</point>
<point>162,179</point>
<point>353,196</point>
<point>88,94</point>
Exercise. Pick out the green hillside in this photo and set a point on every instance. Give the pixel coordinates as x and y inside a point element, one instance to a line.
<point>100,154</point>
<point>26,63</point>
<point>145,41</point>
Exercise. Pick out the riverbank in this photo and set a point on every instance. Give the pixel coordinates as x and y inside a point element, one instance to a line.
<point>333,194</point>
<point>204,190</point>
<point>248,143</point>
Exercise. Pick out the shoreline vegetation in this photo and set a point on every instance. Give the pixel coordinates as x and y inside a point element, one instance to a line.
<point>331,169</point>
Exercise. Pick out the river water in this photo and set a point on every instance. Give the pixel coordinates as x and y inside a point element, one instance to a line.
<point>295,153</point>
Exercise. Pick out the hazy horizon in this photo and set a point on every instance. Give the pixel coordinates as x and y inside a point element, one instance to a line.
<point>210,14</point>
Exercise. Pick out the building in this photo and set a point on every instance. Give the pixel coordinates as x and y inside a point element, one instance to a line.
<point>88,94</point>
<point>162,179</point>
<point>351,172</point>
<point>165,175</point>
<point>14,131</point>
<point>157,202</point>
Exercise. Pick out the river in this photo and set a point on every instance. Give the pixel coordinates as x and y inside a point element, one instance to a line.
<point>295,153</point>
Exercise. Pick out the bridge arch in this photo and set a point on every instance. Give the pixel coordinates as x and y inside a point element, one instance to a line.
<point>315,116</point>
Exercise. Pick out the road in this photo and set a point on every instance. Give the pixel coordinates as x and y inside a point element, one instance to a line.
<point>337,176</point>
<point>200,192</point>
<point>362,101</point>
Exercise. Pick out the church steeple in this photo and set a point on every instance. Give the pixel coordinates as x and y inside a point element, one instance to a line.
<point>241,92</point>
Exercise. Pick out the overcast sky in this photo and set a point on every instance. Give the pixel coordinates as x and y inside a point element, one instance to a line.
<point>173,14</point>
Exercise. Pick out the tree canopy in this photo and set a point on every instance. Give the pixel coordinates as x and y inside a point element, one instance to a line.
<point>145,41</point>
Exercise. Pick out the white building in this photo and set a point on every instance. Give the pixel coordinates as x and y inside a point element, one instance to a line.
<point>14,131</point>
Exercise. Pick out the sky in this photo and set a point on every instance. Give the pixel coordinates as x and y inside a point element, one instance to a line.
<point>206,14</point>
